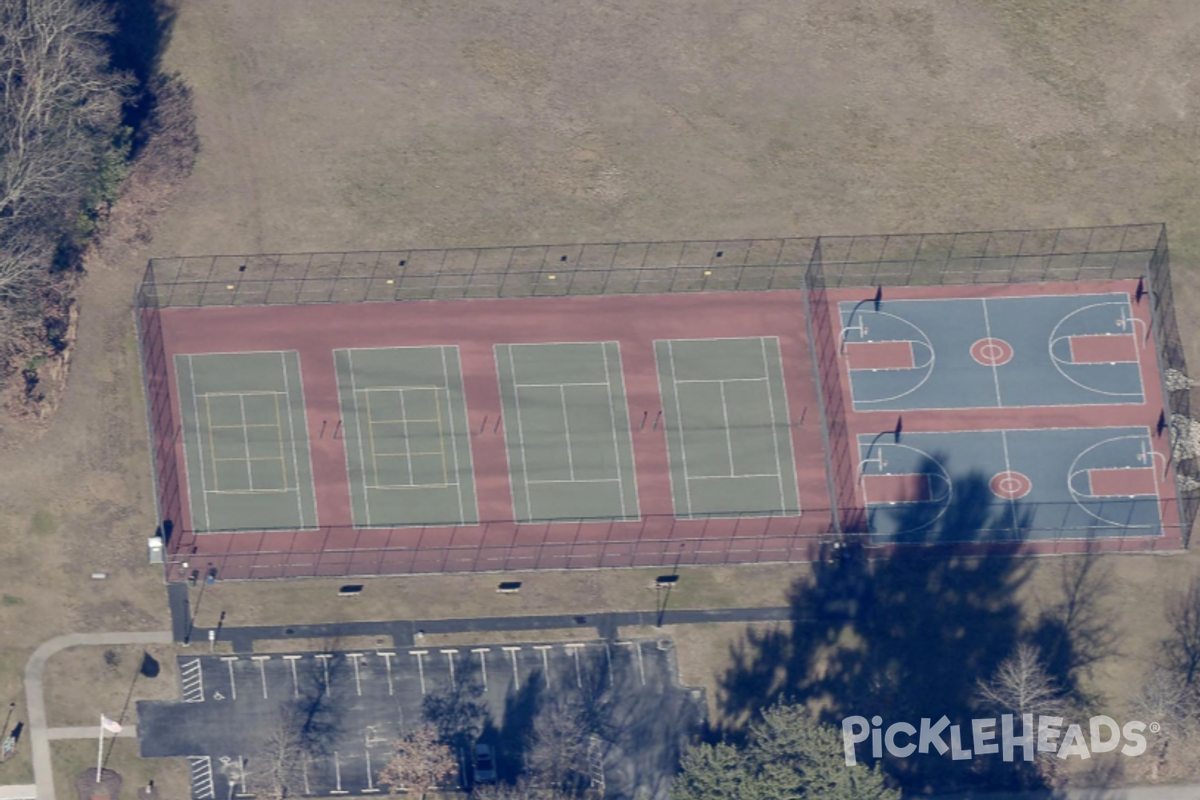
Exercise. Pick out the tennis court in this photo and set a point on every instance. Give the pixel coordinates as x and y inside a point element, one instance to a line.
<point>245,445</point>
<point>404,418</point>
<point>567,432</point>
<point>728,428</point>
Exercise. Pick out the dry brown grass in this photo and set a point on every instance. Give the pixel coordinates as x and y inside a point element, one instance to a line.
<point>464,596</point>
<point>82,682</point>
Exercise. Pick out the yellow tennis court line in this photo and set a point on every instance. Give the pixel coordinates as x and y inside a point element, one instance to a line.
<point>249,491</point>
<point>249,425</point>
<point>404,421</point>
<point>437,403</point>
<point>252,458</point>
<point>371,437</point>
<point>279,427</point>
<point>254,393</point>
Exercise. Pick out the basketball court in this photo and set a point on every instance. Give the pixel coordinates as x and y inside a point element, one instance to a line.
<point>997,352</point>
<point>1012,484</point>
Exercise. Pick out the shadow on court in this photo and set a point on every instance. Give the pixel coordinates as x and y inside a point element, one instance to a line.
<point>907,638</point>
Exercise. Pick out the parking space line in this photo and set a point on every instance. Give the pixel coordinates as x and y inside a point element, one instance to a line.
<point>574,649</point>
<point>637,648</point>
<point>387,658</point>
<point>370,780</point>
<point>483,651</point>
<point>295,680</point>
<point>337,771</point>
<point>262,670</point>
<point>608,657</point>
<point>545,648</point>
<point>357,677</point>
<point>191,678</point>
<point>232,682</point>
<point>304,772</point>
<point>450,660</point>
<point>324,659</point>
<point>512,651</point>
<point>242,775</point>
<point>420,654</point>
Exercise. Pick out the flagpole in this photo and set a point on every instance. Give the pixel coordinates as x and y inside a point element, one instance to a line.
<point>100,751</point>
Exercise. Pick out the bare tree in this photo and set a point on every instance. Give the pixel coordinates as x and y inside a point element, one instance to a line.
<point>557,755</point>
<point>421,761</point>
<point>1022,685</point>
<point>276,770</point>
<point>1163,698</point>
<point>1182,649</point>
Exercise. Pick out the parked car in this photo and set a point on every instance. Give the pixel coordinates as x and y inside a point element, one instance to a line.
<point>485,763</point>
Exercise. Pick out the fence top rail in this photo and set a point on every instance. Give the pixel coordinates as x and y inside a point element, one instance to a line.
<point>627,267</point>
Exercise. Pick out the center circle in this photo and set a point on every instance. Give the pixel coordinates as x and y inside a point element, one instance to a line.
<point>1010,485</point>
<point>992,352</point>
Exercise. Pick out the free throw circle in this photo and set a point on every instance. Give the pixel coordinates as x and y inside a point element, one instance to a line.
<point>992,352</point>
<point>1010,485</point>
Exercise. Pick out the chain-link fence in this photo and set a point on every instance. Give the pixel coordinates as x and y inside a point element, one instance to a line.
<point>489,272</point>
<point>1122,252</point>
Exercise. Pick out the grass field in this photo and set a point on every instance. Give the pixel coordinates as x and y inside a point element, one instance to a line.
<point>371,124</point>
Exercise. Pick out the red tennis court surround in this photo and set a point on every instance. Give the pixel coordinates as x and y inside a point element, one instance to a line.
<point>880,355</point>
<point>1112,349</point>
<point>1122,482</point>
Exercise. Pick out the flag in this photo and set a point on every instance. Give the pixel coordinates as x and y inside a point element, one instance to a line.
<point>112,726</point>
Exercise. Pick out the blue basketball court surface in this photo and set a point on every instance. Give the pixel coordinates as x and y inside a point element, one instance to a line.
<point>997,352</point>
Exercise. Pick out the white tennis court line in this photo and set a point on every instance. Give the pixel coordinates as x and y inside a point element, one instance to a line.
<point>312,478</point>
<point>786,429</point>
<point>687,487</point>
<point>462,514</point>
<point>362,453</point>
<point>199,446</point>
<point>558,385</point>
<point>407,446</point>
<point>246,444</point>
<point>512,364</point>
<point>612,415</point>
<point>728,434</point>
<point>562,398</point>
<point>723,380</point>
<point>575,480</point>
<point>774,425</point>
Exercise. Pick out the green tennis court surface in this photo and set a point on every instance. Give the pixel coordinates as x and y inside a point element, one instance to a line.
<point>570,454</point>
<point>405,428</point>
<point>728,428</point>
<point>245,442</point>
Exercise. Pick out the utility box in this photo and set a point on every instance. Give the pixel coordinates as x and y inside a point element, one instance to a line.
<point>154,546</point>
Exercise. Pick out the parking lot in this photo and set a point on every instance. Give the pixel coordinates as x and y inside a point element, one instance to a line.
<point>356,703</point>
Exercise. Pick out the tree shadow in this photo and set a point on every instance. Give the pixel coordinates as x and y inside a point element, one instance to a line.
<point>143,32</point>
<point>905,637</point>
